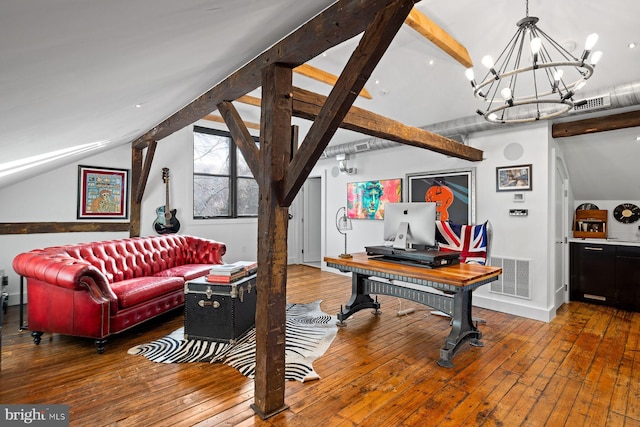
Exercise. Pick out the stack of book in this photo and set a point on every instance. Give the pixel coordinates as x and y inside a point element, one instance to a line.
<point>227,273</point>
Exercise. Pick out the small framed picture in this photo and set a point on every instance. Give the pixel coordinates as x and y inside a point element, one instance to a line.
<point>514,178</point>
<point>103,193</point>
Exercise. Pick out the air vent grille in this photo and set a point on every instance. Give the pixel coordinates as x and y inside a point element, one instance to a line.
<point>594,103</point>
<point>361,146</point>
<point>515,279</point>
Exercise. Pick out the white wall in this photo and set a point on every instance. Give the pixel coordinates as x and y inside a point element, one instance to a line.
<point>513,237</point>
<point>52,197</point>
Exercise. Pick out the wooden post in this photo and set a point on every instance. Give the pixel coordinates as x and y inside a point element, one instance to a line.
<point>134,204</point>
<point>275,148</point>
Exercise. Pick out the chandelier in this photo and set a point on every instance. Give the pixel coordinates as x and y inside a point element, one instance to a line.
<point>547,76</point>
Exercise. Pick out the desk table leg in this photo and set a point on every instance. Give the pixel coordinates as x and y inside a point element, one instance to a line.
<point>358,301</point>
<point>462,329</point>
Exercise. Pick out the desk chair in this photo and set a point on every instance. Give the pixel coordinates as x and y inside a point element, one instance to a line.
<point>472,241</point>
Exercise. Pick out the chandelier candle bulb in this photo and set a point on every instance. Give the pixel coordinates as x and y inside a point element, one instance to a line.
<point>595,57</point>
<point>592,39</point>
<point>536,44</point>
<point>470,76</point>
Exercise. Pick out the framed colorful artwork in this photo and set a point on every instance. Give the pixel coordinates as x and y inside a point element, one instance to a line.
<point>514,178</point>
<point>453,191</point>
<point>103,193</point>
<point>366,199</point>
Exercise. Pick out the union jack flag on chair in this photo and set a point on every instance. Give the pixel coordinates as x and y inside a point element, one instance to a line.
<point>469,240</point>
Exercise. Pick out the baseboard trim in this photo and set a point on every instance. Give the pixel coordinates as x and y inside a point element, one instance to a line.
<point>535,313</point>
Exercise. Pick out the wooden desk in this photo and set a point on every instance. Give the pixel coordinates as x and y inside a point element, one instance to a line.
<point>456,281</point>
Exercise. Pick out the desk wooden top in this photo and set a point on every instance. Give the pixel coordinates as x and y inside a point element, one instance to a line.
<point>456,275</point>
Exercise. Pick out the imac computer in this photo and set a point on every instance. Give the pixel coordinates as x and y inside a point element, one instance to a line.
<point>410,225</point>
<point>411,229</point>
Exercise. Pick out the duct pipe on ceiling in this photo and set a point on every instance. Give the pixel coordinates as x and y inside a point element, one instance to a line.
<point>621,96</point>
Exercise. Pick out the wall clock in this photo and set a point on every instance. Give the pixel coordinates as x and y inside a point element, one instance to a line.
<point>626,213</point>
<point>587,206</point>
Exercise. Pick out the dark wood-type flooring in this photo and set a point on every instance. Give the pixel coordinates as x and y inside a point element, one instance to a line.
<point>583,368</point>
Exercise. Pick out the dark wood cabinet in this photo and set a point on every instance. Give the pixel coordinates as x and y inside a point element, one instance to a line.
<point>593,276</point>
<point>628,277</point>
<point>605,274</point>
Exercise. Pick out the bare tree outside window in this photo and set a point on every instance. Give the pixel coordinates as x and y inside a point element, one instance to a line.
<point>223,185</point>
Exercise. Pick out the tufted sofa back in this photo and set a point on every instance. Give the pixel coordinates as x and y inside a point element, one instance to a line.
<point>141,256</point>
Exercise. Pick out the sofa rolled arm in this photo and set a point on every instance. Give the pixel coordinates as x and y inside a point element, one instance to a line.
<point>62,270</point>
<point>206,251</point>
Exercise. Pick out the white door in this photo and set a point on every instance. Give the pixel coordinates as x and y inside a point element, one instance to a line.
<point>311,221</point>
<point>294,248</point>
<point>560,231</point>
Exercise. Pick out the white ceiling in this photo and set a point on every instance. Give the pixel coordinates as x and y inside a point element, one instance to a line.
<point>73,71</point>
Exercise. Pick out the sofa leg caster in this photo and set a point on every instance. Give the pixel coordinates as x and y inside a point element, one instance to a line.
<point>100,345</point>
<point>37,336</point>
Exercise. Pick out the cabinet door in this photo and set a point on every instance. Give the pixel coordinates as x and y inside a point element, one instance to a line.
<point>593,273</point>
<point>628,277</point>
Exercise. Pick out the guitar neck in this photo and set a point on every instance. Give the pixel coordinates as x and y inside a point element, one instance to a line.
<point>167,208</point>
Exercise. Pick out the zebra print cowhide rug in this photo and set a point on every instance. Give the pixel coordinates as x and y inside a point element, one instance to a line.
<point>310,332</point>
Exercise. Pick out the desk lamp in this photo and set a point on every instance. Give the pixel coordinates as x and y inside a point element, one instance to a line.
<point>343,223</point>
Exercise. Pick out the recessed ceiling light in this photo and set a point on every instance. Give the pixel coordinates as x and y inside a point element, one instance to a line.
<point>638,138</point>
<point>431,62</point>
<point>632,45</point>
<point>138,105</point>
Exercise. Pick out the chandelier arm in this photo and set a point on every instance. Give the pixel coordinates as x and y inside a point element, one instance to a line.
<point>588,67</point>
<point>568,104</point>
<point>561,50</point>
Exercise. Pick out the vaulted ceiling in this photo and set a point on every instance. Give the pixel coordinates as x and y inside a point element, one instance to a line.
<point>83,76</point>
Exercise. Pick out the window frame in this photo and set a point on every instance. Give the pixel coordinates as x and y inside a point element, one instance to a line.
<point>233,177</point>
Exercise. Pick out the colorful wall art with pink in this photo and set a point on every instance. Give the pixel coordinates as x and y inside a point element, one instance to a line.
<point>366,199</point>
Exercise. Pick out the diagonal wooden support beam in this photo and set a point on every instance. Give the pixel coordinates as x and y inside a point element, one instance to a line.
<point>307,105</point>
<point>241,136</point>
<point>144,176</point>
<point>372,46</point>
<point>432,31</point>
<point>339,22</point>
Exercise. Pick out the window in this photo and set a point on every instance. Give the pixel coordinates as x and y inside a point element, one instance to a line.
<point>223,186</point>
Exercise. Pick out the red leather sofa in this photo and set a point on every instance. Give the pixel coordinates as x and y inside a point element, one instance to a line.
<point>102,288</point>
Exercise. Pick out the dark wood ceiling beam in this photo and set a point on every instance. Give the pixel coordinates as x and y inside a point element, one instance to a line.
<point>307,105</point>
<point>338,23</point>
<point>61,227</point>
<point>373,44</point>
<point>241,136</point>
<point>597,124</point>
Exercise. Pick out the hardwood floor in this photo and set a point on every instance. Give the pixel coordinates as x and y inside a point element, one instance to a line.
<point>580,369</point>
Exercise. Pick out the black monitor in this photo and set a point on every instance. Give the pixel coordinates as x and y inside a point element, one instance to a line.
<point>410,224</point>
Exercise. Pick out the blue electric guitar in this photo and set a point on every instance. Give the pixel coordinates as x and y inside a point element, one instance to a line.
<point>166,221</point>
